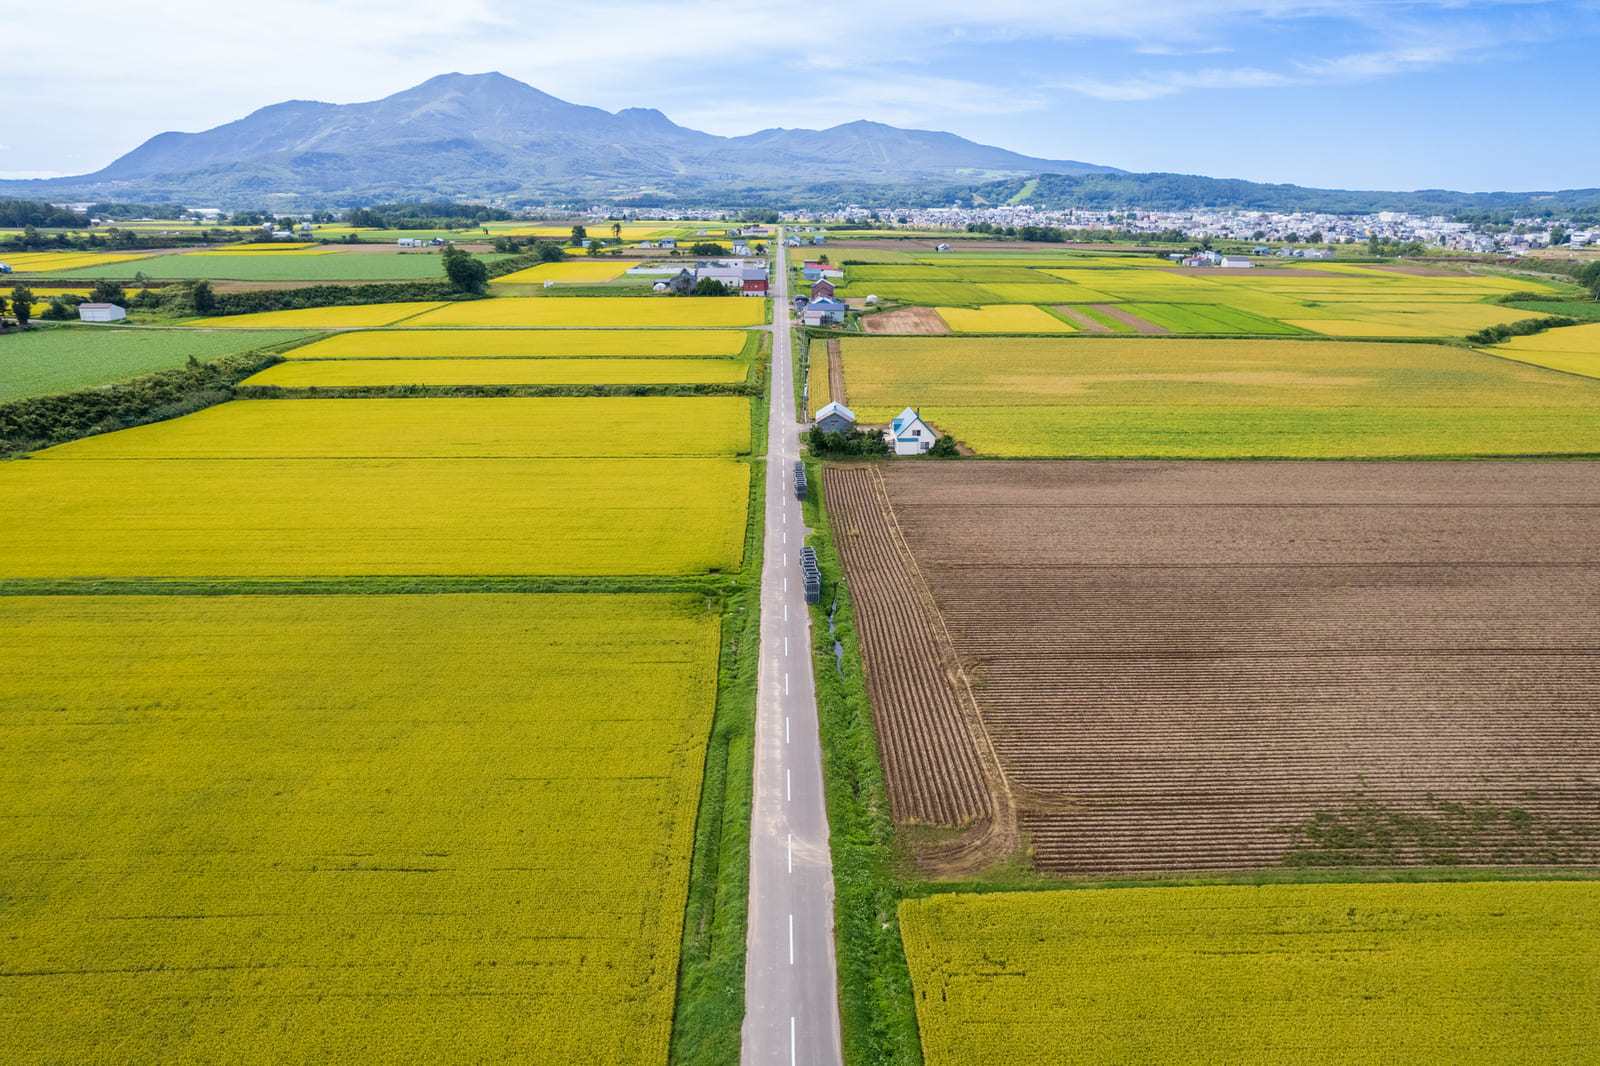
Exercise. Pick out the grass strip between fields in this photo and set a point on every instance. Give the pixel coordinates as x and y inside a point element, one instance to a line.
<point>877,1012</point>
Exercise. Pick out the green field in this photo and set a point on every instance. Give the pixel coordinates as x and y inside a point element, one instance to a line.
<point>1338,299</point>
<point>1172,397</point>
<point>42,362</point>
<point>313,829</point>
<point>1475,973</point>
<point>279,266</point>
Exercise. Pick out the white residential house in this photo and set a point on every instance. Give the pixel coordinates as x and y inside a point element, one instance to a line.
<point>1236,262</point>
<point>942,248</point>
<point>411,242</point>
<point>911,435</point>
<point>101,313</point>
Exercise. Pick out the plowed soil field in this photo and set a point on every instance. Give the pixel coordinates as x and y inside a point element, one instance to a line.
<point>1208,665</point>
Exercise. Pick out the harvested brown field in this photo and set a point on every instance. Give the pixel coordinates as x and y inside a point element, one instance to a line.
<point>1127,318</point>
<point>836,390</point>
<point>1081,320</point>
<point>931,761</point>
<point>1225,665</point>
<point>909,321</point>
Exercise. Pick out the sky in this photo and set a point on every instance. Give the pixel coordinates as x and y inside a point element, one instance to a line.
<point>1370,94</point>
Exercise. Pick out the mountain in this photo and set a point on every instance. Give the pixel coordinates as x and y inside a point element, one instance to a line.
<point>460,135</point>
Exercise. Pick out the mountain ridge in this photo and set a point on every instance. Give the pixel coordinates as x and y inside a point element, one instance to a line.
<point>491,135</point>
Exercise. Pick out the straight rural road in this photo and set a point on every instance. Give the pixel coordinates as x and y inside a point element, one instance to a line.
<point>791,984</point>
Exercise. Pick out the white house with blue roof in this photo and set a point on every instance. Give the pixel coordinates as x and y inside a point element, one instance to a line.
<point>910,434</point>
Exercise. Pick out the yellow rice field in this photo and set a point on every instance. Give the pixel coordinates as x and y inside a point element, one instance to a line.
<point>1003,318</point>
<point>522,344</point>
<point>620,312</point>
<point>577,271</point>
<point>319,317</point>
<point>376,829</point>
<point>346,517</point>
<point>509,427</point>
<point>1472,974</point>
<point>337,373</point>
<point>1573,349</point>
<point>37,262</point>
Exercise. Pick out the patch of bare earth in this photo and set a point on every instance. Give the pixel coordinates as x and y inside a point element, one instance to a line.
<point>939,767</point>
<point>1139,325</point>
<point>905,321</point>
<point>836,374</point>
<point>1189,666</point>
<point>1081,320</point>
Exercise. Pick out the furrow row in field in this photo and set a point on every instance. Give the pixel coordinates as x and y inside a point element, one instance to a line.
<point>932,770</point>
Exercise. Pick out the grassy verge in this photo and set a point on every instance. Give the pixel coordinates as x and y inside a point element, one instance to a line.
<point>877,1013</point>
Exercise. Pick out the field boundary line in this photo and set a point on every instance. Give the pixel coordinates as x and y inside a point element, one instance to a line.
<point>999,838</point>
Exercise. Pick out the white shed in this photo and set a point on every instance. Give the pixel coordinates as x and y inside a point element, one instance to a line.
<point>101,313</point>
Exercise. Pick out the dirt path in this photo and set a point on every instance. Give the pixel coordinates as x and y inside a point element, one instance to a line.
<point>924,321</point>
<point>1081,320</point>
<point>1139,325</point>
<point>836,391</point>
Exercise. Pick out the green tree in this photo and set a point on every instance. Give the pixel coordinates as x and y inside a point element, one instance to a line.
<point>108,292</point>
<point>579,234</point>
<point>616,231</point>
<point>707,248</point>
<point>22,304</point>
<point>203,298</point>
<point>944,448</point>
<point>57,311</point>
<point>464,272</point>
<point>2,305</point>
<point>709,287</point>
<point>1558,236</point>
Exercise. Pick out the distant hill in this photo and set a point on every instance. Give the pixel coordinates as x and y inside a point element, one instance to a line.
<point>1171,192</point>
<point>460,135</point>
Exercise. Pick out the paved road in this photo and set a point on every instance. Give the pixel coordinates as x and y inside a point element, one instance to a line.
<point>791,987</point>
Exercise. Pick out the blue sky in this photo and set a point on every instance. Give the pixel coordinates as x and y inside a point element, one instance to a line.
<point>1369,94</point>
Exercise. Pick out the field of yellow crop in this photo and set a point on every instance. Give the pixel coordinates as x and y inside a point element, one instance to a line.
<point>1419,319</point>
<point>313,829</point>
<point>1571,349</point>
<point>580,270</point>
<point>1476,973</point>
<point>38,262</point>
<point>339,373</point>
<point>319,317</point>
<point>1003,318</point>
<point>438,428</point>
<point>523,344</point>
<point>1176,397</point>
<point>817,386</point>
<point>332,517</point>
<point>612,312</point>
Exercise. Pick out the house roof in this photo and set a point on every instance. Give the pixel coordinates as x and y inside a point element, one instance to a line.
<point>827,305</point>
<point>835,408</point>
<point>906,419</point>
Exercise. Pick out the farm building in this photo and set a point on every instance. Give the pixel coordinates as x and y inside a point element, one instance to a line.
<point>101,313</point>
<point>835,417</point>
<point>669,242</point>
<point>811,271</point>
<point>682,283</point>
<point>942,248</point>
<point>800,304</point>
<point>825,313</point>
<point>912,436</point>
<point>1235,262</point>
<point>5,268</point>
<point>755,281</point>
<point>822,289</point>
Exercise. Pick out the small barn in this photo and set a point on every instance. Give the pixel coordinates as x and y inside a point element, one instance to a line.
<point>101,313</point>
<point>911,435</point>
<point>681,284</point>
<point>755,281</point>
<point>835,417</point>
<point>822,289</point>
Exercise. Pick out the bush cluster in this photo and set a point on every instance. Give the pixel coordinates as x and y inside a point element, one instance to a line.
<point>1525,327</point>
